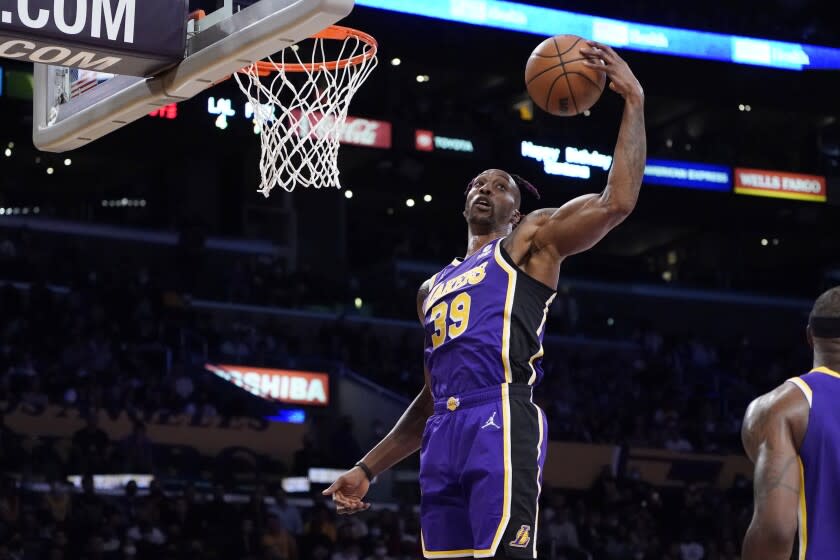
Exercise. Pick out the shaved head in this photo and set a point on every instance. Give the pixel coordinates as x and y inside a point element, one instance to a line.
<point>828,304</point>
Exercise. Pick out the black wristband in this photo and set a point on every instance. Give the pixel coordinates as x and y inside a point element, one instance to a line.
<point>366,470</point>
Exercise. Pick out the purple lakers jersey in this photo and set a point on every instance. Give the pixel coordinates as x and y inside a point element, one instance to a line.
<point>485,322</point>
<point>819,455</point>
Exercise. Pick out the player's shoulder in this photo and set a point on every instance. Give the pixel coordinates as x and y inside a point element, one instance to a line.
<point>784,409</point>
<point>785,399</point>
<point>426,287</point>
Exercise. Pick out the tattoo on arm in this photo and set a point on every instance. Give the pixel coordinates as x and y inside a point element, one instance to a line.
<point>774,478</point>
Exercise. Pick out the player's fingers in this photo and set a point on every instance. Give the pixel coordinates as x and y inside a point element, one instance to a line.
<point>342,500</point>
<point>598,65</point>
<point>603,51</point>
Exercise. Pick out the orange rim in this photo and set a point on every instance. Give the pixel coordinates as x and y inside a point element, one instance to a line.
<point>335,32</point>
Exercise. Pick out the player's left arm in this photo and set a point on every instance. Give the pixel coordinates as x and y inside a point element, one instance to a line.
<point>772,425</point>
<point>583,221</point>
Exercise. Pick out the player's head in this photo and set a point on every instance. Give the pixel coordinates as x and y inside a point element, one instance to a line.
<point>493,200</point>
<point>824,322</point>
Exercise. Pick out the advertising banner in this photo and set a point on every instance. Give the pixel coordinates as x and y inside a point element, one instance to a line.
<point>283,385</point>
<point>689,175</point>
<point>780,184</point>
<point>129,37</point>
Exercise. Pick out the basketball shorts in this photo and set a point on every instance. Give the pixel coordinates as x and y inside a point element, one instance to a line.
<point>481,465</point>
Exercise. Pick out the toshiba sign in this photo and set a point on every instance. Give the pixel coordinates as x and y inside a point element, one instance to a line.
<point>288,386</point>
<point>780,184</point>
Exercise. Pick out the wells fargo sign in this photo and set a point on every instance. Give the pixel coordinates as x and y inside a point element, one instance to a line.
<point>780,184</point>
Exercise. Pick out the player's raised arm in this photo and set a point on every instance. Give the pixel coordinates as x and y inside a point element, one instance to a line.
<point>772,425</point>
<point>582,222</point>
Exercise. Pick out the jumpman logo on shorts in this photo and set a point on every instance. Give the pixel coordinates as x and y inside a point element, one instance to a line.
<point>491,422</point>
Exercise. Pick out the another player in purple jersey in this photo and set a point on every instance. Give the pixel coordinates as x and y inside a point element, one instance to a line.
<point>792,434</point>
<point>482,439</point>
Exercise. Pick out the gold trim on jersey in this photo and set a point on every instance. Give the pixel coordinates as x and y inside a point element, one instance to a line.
<point>511,289</point>
<point>540,351</point>
<point>827,371</point>
<point>803,514</point>
<point>539,474</point>
<point>463,553</point>
<point>507,491</point>
<point>803,386</point>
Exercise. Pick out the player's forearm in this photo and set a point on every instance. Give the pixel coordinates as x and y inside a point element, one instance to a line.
<point>761,543</point>
<point>406,436</point>
<point>628,168</point>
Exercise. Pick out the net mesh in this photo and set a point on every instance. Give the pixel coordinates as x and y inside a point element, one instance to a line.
<point>300,108</point>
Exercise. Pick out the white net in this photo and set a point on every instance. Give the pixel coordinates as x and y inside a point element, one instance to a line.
<point>300,108</point>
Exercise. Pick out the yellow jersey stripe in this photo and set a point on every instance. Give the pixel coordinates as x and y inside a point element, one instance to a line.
<point>803,514</point>
<point>511,288</point>
<point>809,394</point>
<point>539,474</point>
<point>500,530</point>
<point>463,553</point>
<point>540,351</point>
<point>827,371</point>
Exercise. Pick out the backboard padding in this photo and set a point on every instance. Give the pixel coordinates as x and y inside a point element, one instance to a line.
<point>212,54</point>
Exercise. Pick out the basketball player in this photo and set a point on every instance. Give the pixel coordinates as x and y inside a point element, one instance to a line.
<point>483,440</point>
<point>792,435</point>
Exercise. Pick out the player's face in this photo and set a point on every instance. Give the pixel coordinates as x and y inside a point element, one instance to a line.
<point>492,200</point>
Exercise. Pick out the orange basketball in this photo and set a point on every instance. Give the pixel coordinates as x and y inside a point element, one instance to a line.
<point>558,81</point>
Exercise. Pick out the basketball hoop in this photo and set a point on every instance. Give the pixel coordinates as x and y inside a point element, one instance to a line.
<point>299,105</point>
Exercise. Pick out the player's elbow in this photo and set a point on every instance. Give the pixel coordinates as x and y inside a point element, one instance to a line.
<point>768,541</point>
<point>618,210</point>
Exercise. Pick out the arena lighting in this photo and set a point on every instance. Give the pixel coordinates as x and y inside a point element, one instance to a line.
<point>323,476</point>
<point>396,62</point>
<point>427,198</point>
<point>8,152</point>
<point>105,482</point>
<point>764,242</point>
<point>50,170</point>
<point>410,203</point>
<point>295,484</point>
<point>348,194</point>
<point>289,416</point>
<point>674,41</point>
<point>68,162</point>
<point>357,303</point>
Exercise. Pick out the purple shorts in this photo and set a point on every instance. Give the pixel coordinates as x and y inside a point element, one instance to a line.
<point>480,474</point>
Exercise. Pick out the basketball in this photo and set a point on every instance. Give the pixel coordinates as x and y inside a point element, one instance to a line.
<point>558,81</point>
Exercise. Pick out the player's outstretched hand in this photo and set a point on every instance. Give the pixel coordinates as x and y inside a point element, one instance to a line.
<point>348,490</point>
<point>622,81</point>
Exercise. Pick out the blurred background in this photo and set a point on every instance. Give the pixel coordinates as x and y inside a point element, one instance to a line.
<point>185,365</point>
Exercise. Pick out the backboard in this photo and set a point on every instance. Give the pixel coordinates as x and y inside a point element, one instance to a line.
<point>73,107</point>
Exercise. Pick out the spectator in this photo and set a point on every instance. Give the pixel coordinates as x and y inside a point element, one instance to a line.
<point>90,446</point>
<point>380,552</point>
<point>288,514</point>
<point>136,450</point>
<point>57,503</point>
<point>278,543</point>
